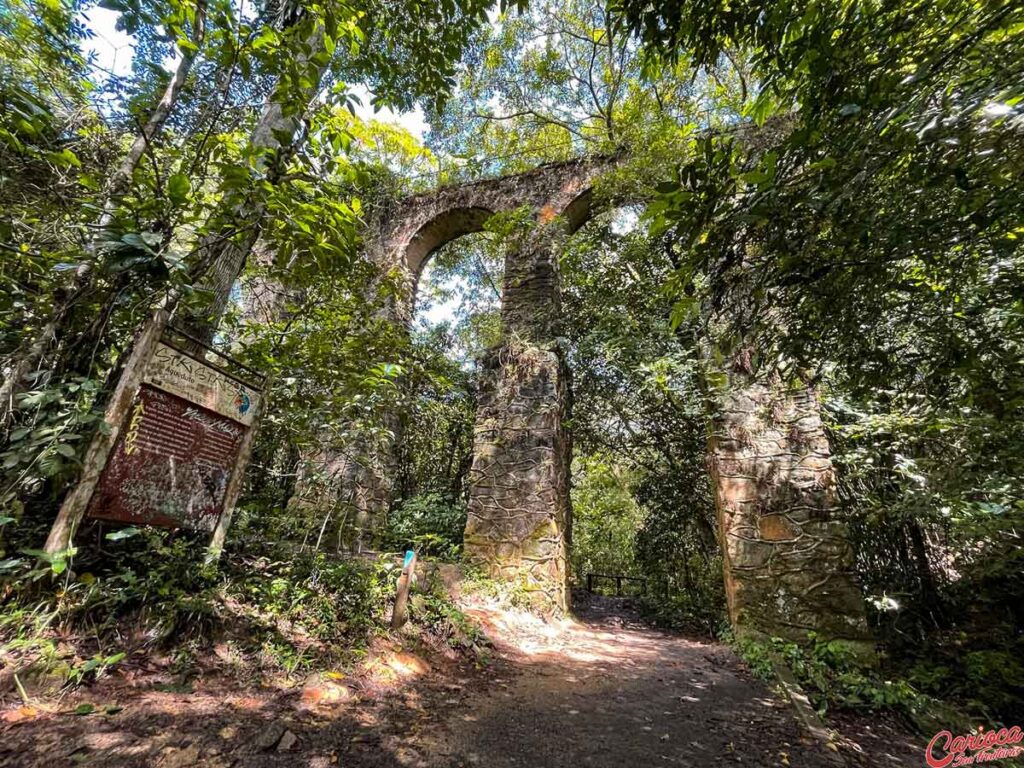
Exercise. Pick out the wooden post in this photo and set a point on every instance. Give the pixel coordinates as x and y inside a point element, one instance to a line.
<point>401,613</point>
<point>75,503</point>
<point>234,487</point>
<point>618,586</point>
<point>590,583</point>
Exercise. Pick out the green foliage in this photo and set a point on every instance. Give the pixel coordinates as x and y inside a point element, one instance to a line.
<point>331,601</point>
<point>274,608</point>
<point>606,518</point>
<point>93,668</point>
<point>93,234</point>
<point>55,420</point>
<point>695,603</point>
<point>933,521</point>
<point>26,634</point>
<point>431,524</point>
<point>861,225</point>
<point>836,191</point>
<point>565,79</point>
<point>833,676</point>
<point>434,611</point>
<point>468,273</point>
<point>639,425</point>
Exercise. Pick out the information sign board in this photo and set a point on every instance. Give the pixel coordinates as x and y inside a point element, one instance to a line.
<point>178,447</point>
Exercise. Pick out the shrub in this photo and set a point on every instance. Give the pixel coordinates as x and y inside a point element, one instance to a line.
<point>431,524</point>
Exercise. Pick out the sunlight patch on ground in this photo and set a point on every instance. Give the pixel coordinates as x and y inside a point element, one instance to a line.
<point>567,639</point>
<point>388,667</point>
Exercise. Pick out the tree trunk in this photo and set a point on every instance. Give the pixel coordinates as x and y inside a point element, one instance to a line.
<point>931,599</point>
<point>227,248</point>
<point>75,503</point>
<point>31,353</point>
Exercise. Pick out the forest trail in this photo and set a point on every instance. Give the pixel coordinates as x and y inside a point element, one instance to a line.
<point>603,690</point>
<point>608,691</point>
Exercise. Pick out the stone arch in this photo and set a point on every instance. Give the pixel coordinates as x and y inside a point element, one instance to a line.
<point>441,230</point>
<point>417,224</point>
<point>452,223</point>
<point>786,556</point>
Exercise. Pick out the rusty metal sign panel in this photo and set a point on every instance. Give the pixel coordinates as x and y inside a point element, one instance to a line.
<point>178,446</point>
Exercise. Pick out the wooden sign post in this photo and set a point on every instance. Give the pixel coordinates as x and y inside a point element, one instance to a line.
<point>179,432</point>
<point>401,613</point>
<point>75,503</point>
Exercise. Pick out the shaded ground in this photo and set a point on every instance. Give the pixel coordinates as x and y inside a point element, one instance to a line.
<point>605,691</point>
<point>368,719</point>
<point>610,691</point>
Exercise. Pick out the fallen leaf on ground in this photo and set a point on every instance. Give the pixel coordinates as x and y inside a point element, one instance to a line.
<point>20,714</point>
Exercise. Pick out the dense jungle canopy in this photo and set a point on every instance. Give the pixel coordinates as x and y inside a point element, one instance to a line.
<point>831,191</point>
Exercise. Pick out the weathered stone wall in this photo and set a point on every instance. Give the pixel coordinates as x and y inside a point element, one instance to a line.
<point>788,561</point>
<point>519,517</point>
<point>347,488</point>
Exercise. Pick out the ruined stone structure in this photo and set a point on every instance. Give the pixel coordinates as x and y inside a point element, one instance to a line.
<point>519,513</point>
<point>346,486</point>
<point>414,228</point>
<point>787,557</point>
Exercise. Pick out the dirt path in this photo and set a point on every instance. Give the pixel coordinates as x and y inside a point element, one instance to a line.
<point>604,691</point>
<point>609,691</point>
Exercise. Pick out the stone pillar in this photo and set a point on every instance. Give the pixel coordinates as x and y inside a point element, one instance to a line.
<point>519,517</point>
<point>348,478</point>
<point>344,492</point>
<point>788,561</point>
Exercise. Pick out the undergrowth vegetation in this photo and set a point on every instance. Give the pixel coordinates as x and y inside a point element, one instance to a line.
<point>277,610</point>
<point>925,694</point>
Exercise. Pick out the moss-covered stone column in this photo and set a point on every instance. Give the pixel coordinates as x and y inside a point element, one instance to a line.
<point>343,492</point>
<point>788,560</point>
<point>519,517</point>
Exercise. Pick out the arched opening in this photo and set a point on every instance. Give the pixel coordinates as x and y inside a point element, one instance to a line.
<point>455,320</point>
<point>442,229</point>
<point>458,293</point>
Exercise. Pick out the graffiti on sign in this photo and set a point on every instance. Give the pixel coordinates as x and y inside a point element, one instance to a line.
<point>173,371</point>
<point>174,458</point>
<point>170,467</point>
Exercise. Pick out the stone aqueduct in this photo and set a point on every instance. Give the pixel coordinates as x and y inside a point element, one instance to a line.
<point>787,559</point>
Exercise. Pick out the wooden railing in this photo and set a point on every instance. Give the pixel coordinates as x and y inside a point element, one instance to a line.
<point>618,579</point>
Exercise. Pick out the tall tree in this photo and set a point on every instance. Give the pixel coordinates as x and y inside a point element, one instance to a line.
<point>561,80</point>
<point>188,25</point>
